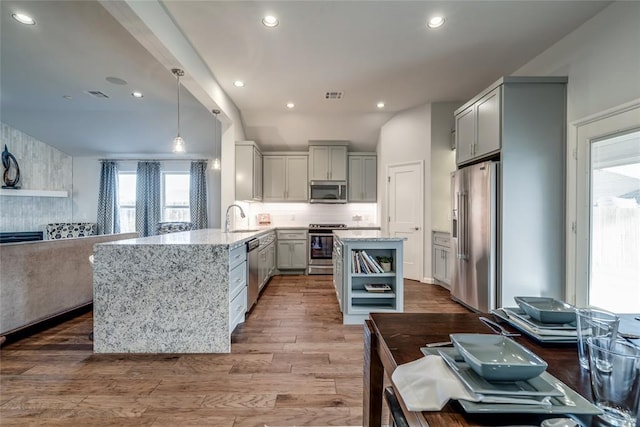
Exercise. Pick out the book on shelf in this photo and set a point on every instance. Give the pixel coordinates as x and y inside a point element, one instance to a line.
<point>376,287</point>
<point>365,263</point>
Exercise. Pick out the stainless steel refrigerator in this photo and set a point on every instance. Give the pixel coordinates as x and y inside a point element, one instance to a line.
<point>504,243</point>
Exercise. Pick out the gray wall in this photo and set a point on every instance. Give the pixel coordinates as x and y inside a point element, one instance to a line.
<point>42,167</point>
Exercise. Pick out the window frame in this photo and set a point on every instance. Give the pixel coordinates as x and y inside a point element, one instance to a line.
<point>163,202</point>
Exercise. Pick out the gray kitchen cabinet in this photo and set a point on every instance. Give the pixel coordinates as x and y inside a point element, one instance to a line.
<point>362,184</point>
<point>338,278</point>
<point>292,249</point>
<point>266,258</point>
<point>327,162</point>
<point>478,127</point>
<point>285,178</point>
<point>248,171</point>
<point>441,253</point>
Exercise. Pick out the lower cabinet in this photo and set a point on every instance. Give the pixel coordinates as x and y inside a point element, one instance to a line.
<point>266,263</point>
<point>338,271</point>
<point>441,257</point>
<point>292,249</point>
<point>237,286</point>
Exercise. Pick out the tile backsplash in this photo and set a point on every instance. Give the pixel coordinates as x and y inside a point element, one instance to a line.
<point>42,167</point>
<point>303,214</point>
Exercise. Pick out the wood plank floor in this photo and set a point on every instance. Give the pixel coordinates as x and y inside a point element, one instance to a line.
<point>292,363</point>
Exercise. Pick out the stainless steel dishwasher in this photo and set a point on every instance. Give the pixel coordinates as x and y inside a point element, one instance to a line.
<point>252,272</point>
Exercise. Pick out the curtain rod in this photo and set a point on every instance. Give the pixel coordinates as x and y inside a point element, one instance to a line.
<point>154,160</point>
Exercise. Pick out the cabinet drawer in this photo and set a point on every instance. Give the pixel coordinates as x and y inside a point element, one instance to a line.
<point>237,308</point>
<point>292,234</point>
<point>442,239</point>
<point>236,256</point>
<point>237,279</point>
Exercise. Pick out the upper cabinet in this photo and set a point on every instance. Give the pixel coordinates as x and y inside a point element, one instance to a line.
<point>327,162</point>
<point>478,128</point>
<point>362,178</point>
<point>285,178</point>
<point>505,118</point>
<point>248,171</point>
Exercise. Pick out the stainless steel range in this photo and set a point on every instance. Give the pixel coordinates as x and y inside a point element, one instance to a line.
<point>321,247</point>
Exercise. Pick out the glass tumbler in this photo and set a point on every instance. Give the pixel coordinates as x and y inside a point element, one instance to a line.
<point>615,379</point>
<point>593,322</point>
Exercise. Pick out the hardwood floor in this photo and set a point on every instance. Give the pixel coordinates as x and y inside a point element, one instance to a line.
<point>292,363</point>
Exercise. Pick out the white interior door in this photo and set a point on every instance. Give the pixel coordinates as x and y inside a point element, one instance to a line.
<point>405,213</point>
<point>607,195</point>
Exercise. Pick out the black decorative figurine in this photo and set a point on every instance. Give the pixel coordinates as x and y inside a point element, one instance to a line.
<point>7,159</point>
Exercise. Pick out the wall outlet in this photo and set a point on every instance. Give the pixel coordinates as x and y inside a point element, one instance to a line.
<point>293,217</point>
<point>356,218</point>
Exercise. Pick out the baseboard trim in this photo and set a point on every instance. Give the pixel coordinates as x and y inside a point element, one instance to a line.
<point>43,324</point>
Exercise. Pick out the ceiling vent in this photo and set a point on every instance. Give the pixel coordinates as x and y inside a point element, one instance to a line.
<point>97,94</point>
<point>333,94</point>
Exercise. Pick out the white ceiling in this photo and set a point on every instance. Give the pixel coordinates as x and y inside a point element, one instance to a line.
<point>372,50</point>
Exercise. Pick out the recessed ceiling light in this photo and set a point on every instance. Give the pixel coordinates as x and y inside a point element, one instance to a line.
<point>290,105</point>
<point>137,94</point>
<point>23,19</point>
<point>380,105</point>
<point>270,21</point>
<point>436,22</point>
<point>238,83</point>
<point>67,97</point>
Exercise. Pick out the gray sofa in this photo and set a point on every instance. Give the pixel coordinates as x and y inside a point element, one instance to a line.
<point>43,279</point>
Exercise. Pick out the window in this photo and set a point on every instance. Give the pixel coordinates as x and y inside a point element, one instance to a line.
<point>615,223</point>
<point>175,196</point>
<point>127,201</point>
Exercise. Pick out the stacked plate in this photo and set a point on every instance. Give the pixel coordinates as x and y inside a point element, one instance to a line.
<point>546,320</point>
<point>507,378</point>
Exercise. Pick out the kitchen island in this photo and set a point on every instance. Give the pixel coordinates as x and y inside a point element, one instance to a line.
<point>361,287</point>
<point>174,293</point>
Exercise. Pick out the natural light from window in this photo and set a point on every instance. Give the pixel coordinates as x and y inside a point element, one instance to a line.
<point>175,201</point>
<point>614,282</point>
<point>127,201</point>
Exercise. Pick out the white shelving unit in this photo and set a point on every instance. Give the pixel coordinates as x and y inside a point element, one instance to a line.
<point>355,302</point>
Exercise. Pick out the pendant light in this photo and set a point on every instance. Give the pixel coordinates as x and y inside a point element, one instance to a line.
<point>216,160</point>
<point>178,142</point>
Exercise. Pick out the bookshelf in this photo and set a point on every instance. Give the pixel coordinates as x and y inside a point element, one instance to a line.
<point>350,277</point>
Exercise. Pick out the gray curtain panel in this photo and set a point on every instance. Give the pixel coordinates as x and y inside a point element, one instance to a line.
<point>148,195</point>
<point>108,215</point>
<point>198,194</point>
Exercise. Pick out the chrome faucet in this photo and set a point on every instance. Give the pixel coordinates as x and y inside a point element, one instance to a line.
<point>228,218</point>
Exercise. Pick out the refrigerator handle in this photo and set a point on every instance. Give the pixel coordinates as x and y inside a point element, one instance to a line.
<point>462,226</point>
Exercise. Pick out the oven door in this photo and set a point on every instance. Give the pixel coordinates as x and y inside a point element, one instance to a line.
<point>320,253</point>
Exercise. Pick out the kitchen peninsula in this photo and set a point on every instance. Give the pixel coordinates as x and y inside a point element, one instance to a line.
<point>360,286</point>
<point>173,293</point>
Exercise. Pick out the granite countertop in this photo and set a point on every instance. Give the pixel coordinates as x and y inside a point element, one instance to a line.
<point>372,235</point>
<point>209,236</point>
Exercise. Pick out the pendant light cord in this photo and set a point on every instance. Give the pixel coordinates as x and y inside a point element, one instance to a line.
<point>178,86</point>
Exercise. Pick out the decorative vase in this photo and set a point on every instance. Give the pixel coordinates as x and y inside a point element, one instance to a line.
<point>386,266</point>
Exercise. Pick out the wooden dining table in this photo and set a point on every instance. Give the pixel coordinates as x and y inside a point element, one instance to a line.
<point>392,339</point>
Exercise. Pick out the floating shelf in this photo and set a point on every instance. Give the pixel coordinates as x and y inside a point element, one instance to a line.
<point>33,193</point>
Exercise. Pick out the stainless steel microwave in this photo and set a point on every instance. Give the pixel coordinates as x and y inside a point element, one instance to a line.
<point>327,192</point>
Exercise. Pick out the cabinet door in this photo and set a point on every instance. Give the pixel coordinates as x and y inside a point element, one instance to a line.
<point>319,158</point>
<point>257,175</point>
<point>447,267</point>
<point>297,180</point>
<point>488,119</point>
<point>284,255</point>
<point>338,163</point>
<point>244,172</point>
<point>271,259</point>
<point>355,185</point>
<point>370,179</point>
<point>298,254</point>
<point>274,178</point>
<point>465,134</point>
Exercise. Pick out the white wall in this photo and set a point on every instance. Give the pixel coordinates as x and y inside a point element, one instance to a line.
<point>601,59</point>
<point>407,137</point>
